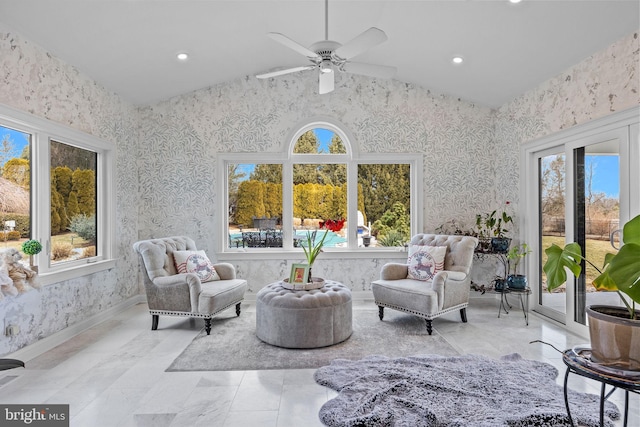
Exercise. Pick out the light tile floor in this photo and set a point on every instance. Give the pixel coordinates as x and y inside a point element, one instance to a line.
<point>114,373</point>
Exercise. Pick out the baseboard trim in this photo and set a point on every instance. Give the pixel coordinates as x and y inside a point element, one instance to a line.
<point>42,346</point>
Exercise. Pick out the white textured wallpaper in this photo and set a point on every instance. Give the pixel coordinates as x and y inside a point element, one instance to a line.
<point>33,81</point>
<point>167,153</point>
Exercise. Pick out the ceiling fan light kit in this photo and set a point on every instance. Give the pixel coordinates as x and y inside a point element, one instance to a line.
<point>327,56</point>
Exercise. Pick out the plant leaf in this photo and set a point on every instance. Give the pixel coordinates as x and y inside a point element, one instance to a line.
<point>631,231</point>
<point>558,259</point>
<point>10,364</point>
<point>623,272</point>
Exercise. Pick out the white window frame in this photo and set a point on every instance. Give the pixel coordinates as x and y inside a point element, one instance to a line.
<point>287,158</point>
<point>42,131</point>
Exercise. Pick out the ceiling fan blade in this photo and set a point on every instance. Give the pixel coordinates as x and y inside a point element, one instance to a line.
<point>371,70</point>
<point>326,83</point>
<point>281,38</point>
<point>285,71</point>
<point>365,41</point>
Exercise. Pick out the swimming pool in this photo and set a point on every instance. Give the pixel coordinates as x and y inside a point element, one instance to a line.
<point>331,241</point>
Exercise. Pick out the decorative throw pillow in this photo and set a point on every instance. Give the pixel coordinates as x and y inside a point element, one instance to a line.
<point>195,262</point>
<point>425,261</point>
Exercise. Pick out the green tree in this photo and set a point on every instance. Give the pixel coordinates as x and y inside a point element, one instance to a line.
<point>337,146</point>
<point>84,185</point>
<point>235,175</point>
<point>267,173</point>
<point>303,173</point>
<point>72,205</point>
<point>335,174</point>
<point>395,220</point>
<point>57,206</point>
<point>272,200</point>
<point>250,202</point>
<point>63,181</point>
<point>382,186</point>
<point>17,170</point>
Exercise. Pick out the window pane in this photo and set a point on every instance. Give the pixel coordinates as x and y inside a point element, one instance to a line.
<point>384,201</point>
<point>552,214</point>
<point>15,195</point>
<point>319,141</point>
<point>320,202</point>
<point>255,205</point>
<point>73,203</point>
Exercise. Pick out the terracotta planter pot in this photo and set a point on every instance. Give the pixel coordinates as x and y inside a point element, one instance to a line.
<point>615,339</point>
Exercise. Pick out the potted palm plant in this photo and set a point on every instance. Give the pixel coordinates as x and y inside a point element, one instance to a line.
<point>613,330</point>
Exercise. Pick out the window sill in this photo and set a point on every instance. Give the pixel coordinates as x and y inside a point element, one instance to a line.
<point>360,253</point>
<point>75,272</point>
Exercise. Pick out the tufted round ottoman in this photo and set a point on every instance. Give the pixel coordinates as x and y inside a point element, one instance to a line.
<point>303,319</point>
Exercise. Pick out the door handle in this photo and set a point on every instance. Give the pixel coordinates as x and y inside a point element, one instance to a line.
<point>612,240</point>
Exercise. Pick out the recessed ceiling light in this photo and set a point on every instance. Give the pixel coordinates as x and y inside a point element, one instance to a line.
<point>514,1</point>
<point>457,60</point>
<point>182,56</point>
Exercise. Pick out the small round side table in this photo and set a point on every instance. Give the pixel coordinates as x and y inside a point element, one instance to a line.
<point>578,361</point>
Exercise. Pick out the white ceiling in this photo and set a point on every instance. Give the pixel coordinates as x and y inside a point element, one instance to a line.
<point>129,46</point>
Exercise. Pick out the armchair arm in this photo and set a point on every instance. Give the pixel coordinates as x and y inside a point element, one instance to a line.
<point>225,270</point>
<point>452,288</point>
<point>394,271</point>
<point>174,288</point>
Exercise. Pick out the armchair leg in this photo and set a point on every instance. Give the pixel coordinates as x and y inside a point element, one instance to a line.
<point>154,321</point>
<point>207,325</point>
<point>463,314</point>
<point>238,309</point>
<point>380,312</point>
<point>429,328</point>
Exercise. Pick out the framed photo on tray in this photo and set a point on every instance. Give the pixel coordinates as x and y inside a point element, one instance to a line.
<point>299,274</point>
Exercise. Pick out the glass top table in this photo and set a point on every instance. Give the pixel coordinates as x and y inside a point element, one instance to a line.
<point>578,361</point>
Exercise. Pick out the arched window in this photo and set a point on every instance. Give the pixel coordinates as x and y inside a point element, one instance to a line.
<point>320,185</point>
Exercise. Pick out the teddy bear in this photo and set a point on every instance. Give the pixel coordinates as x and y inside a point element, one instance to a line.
<point>6,284</point>
<point>23,278</point>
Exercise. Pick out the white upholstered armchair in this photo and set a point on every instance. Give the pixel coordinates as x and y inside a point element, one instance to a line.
<point>192,286</point>
<point>428,289</point>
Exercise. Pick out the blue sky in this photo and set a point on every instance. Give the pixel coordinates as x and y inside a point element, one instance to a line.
<point>19,140</point>
<point>606,174</point>
<point>324,138</point>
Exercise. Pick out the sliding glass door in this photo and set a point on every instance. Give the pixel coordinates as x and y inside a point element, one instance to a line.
<point>551,213</point>
<point>579,187</point>
<point>596,217</point>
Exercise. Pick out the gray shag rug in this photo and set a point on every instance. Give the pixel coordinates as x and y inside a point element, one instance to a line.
<point>457,391</point>
<point>233,345</point>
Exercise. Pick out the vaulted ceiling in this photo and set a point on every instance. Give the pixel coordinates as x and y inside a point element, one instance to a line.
<point>130,46</point>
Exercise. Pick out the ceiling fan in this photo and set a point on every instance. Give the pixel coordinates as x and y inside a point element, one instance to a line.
<point>328,56</point>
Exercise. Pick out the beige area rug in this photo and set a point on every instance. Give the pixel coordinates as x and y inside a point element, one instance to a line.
<point>233,345</point>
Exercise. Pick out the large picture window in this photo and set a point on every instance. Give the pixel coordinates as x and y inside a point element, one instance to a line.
<point>55,187</point>
<point>320,186</point>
